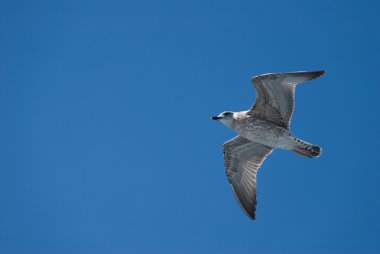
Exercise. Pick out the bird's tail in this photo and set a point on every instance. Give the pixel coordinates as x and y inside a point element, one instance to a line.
<point>306,149</point>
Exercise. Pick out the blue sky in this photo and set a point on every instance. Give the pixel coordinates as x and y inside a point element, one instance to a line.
<point>106,142</point>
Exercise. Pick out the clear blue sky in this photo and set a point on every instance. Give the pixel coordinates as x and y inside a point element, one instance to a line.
<point>106,142</point>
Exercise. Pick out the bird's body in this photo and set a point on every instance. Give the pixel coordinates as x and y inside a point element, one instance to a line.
<point>261,129</point>
<point>264,132</point>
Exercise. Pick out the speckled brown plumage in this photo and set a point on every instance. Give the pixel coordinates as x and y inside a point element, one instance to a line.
<point>261,129</point>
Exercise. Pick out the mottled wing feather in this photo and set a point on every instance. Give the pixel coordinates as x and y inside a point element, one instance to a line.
<point>275,95</point>
<point>242,160</point>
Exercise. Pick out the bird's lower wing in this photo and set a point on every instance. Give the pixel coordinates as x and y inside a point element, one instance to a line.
<point>242,160</point>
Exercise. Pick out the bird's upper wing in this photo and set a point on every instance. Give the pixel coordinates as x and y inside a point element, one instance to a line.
<point>275,95</point>
<point>242,159</point>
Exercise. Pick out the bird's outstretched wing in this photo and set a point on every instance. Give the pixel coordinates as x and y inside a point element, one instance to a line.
<point>242,159</point>
<point>275,95</point>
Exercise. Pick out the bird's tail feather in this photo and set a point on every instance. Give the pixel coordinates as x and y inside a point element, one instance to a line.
<point>306,149</point>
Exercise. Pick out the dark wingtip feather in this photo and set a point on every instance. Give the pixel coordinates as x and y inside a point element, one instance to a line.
<point>249,211</point>
<point>252,217</point>
<point>319,73</point>
<point>315,74</point>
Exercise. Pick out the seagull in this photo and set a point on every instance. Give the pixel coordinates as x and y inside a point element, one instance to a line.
<point>262,128</point>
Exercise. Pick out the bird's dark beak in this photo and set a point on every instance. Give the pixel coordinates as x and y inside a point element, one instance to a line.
<point>215,117</point>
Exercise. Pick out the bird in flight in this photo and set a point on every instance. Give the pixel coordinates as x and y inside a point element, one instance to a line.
<point>262,128</point>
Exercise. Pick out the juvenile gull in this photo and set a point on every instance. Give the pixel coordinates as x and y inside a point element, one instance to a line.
<point>262,128</point>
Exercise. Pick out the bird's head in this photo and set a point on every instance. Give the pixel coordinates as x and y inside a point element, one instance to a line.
<point>227,118</point>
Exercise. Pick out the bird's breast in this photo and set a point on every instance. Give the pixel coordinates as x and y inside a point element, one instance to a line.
<point>261,131</point>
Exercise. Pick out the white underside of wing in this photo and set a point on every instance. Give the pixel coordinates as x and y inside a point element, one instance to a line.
<point>275,95</point>
<point>243,158</point>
